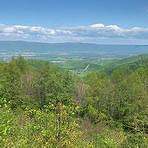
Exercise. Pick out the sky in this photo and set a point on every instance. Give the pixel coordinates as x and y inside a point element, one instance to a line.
<point>93,21</point>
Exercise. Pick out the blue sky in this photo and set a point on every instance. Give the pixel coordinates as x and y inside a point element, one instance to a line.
<point>97,21</point>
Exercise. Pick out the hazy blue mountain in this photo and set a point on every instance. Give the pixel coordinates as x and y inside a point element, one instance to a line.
<point>68,50</point>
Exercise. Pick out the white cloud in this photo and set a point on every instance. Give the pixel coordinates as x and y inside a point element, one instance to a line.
<point>92,33</point>
<point>97,26</point>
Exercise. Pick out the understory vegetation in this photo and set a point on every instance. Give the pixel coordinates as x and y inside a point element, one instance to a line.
<point>42,105</point>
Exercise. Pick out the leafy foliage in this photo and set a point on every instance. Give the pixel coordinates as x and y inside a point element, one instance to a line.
<point>42,105</point>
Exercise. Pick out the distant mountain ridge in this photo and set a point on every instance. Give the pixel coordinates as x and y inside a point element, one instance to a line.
<point>83,50</point>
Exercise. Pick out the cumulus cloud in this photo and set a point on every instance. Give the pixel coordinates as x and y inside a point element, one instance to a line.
<point>93,32</point>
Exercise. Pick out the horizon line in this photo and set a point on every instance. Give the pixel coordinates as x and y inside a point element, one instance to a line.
<point>72,43</point>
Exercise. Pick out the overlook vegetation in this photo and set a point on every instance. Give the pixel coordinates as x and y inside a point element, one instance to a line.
<point>42,105</point>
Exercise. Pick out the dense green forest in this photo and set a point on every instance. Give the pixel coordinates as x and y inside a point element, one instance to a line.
<point>42,105</point>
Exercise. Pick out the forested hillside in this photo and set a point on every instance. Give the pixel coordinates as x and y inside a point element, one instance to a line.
<point>42,105</point>
<point>130,63</point>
